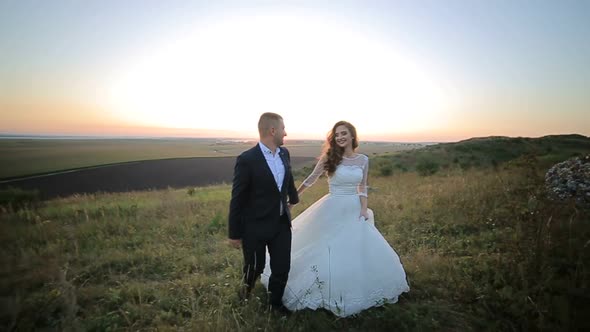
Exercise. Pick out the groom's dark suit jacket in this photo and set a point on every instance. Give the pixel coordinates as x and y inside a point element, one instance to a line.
<point>256,200</point>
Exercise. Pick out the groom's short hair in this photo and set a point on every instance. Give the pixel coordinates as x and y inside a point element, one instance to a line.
<point>268,120</point>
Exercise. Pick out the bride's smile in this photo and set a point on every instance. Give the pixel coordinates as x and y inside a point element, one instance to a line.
<point>342,137</point>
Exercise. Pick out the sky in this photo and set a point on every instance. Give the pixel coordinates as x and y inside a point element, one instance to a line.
<point>403,71</point>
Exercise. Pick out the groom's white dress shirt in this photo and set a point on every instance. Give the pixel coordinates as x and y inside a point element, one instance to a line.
<point>275,163</point>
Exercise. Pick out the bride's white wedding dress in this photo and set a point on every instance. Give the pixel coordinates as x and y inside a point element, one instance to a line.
<point>339,261</point>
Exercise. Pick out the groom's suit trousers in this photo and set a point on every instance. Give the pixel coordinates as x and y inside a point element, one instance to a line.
<point>279,248</point>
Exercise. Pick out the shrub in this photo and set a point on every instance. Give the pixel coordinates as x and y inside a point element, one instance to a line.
<point>386,170</point>
<point>427,167</point>
<point>18,198</point>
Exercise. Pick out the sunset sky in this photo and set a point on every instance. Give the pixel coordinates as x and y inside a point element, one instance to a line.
<point>398,70</point>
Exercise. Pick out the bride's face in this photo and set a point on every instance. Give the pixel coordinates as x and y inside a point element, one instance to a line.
<point>343,137</point>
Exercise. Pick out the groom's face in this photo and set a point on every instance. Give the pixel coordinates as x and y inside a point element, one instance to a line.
<point>279,132</point>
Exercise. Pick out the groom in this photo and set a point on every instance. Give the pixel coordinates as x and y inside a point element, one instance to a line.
<point>259,214</point>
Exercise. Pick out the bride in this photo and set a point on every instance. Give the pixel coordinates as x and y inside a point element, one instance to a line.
<point>339,260</point>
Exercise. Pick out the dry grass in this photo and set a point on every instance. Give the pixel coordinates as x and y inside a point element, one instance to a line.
<point>478,254</point>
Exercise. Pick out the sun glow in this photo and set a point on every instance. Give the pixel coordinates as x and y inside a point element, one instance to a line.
<point>313,71</point>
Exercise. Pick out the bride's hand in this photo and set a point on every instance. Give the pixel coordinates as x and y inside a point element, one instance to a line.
<point>364,214</point>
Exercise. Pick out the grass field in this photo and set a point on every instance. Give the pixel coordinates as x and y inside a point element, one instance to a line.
<point>483,250</point>
<point>21,157</point>
<point>486,152</point>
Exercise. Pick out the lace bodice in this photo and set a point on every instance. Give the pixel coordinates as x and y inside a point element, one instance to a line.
<point>350,176</point>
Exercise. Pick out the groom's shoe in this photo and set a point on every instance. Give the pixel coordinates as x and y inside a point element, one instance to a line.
<point>280,309</point>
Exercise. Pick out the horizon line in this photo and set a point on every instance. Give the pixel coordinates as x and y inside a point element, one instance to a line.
<point>244,138</point>
<point>4,135</point>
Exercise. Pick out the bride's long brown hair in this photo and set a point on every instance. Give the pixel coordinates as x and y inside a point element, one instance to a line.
<point>332,152</point>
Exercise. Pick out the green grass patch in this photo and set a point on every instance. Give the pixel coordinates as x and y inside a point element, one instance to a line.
<point>482,247</point>
<point>483,250</point>
<point>487,152</point>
